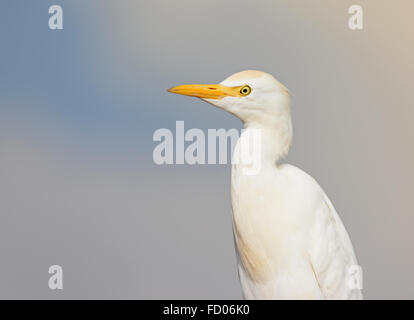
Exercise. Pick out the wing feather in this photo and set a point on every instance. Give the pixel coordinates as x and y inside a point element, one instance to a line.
<point>332,255</point>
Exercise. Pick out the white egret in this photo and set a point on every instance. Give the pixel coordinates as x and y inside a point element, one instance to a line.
<point>290,242</point>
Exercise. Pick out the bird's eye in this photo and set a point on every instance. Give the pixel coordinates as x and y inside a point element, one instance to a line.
<point>245,90</point>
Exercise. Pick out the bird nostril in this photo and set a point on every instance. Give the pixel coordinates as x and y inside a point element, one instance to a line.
<point>211,88</point>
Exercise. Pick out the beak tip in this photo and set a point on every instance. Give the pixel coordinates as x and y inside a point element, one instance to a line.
<point>171,90</point>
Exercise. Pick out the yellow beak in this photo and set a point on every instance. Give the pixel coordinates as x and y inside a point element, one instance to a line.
<point>206,91</point>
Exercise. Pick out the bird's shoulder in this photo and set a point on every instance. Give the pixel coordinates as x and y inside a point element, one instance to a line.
<point>296,172</point>
<point>303,184</point>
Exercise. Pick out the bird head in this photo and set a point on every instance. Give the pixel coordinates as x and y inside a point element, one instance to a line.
<point>252,96</point>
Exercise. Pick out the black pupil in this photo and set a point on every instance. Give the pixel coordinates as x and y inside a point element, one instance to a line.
<point>244,90</point>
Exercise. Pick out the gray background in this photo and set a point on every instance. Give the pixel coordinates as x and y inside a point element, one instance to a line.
<point>78,109</point>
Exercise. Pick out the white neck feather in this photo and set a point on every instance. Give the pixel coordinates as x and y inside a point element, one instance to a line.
<point>274,137</point>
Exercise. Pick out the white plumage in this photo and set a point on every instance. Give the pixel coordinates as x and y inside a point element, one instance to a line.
<point>290,242</point>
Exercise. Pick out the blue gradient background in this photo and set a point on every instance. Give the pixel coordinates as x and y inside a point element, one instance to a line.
<point>79,106</point>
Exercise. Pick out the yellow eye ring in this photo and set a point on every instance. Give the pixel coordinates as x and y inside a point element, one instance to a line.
<point>245,90</point>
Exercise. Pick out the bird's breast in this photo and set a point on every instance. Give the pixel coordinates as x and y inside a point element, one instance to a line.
<point>268,223</point>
